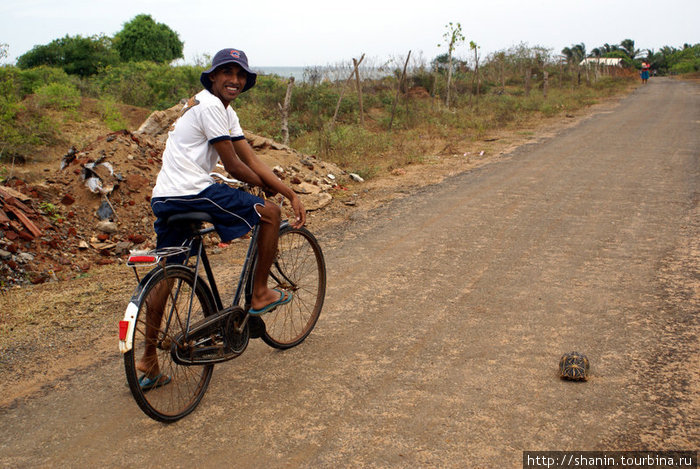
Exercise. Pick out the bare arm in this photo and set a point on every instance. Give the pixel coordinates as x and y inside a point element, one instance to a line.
<point>234,165</point>
<point>240,160</point>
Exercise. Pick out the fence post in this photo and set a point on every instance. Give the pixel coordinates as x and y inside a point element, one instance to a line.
<point>398,90</point>
<point>545,85</point>
<point>359,91</point>
<point>528,74</point>
<point>342,92</point>
<point>284,111</point>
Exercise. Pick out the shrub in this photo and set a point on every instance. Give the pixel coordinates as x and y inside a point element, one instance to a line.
<point>111,116</point>
<point>688,66</point>
<point>30,80</point>
<point>58,96</point>
<point>147,84</point>
<point>76,55</point>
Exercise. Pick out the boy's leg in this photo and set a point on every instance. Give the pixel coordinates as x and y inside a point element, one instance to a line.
<point>155,306</point>
<point>270,216</point>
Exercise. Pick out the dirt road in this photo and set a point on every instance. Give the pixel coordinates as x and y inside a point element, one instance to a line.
<point>446,314</point>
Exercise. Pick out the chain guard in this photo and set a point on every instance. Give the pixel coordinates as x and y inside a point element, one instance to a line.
<point>212,340</point>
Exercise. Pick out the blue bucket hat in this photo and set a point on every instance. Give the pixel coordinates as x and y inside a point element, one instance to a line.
<point>226,56</point>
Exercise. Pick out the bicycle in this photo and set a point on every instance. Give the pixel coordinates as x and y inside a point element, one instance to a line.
<point>195,330</point>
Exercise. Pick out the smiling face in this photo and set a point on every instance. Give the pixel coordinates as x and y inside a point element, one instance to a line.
<point>227,82</point>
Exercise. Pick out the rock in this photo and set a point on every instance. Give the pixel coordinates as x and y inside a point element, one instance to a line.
<point>137,238</point>
<point>5,255</point>
<point>105,212</point>
<point>306,188</point>
<point>316,201</point>
<point>159,122</point>
<point>83,244</point>
<point>356,177</point>
<point>25,257</point>
<point>135,182</point>
<point>123,247</point>
<point>107,226</point>
<point>67,199</point>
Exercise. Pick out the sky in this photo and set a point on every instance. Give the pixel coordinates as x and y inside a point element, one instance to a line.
<point>299,33</point>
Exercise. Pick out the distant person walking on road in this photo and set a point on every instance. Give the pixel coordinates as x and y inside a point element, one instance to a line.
<point>645,71</point>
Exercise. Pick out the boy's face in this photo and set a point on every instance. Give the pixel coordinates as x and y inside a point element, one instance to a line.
<point>227,82</point>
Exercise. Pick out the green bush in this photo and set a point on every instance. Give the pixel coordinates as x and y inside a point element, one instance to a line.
<point>10,83</point>
<point>147,84</point>
<point>59,96</point>
<point>688,66</point>
<point>111,116</point>
<point>76,55</point>
<point>31,79</point>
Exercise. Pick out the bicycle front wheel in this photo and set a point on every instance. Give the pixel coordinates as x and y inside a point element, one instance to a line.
<point>165,390</point>
<point>300,268</point>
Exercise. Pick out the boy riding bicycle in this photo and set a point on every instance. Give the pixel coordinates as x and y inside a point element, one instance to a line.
<point>208,130</point>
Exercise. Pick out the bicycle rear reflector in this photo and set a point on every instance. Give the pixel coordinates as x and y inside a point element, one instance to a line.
<point>142,259</point>
<point>123,329</point>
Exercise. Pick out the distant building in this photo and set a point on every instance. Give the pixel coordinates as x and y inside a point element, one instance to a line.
<point>606,61</point>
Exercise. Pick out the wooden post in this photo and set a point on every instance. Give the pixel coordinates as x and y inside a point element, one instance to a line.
<point>528,74</point>
<point>545,85</point>
<point>284,111</point>
<point>342,92</point>
<point>398,90</point>
<point>503,74</point>
<point>359,91</point>
<point>561,71</point>
<point>475,78</point>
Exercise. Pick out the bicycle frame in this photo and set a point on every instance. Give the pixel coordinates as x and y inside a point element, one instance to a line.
<point>244,288</point>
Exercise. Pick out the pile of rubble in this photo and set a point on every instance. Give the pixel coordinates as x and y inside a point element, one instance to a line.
<point>95,207</point>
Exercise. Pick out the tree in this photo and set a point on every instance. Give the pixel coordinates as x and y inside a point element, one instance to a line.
<point>144,39</point>
<point>76,55</point>
<point>574,54</point>
<point>473,46</point>
<point>453,36</point>
<point>627,47</point>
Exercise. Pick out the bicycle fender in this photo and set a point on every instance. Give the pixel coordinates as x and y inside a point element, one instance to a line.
<point>126,325</point>
<point>126,328</point>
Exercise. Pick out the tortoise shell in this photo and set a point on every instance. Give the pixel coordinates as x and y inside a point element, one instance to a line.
<point>574,366</point>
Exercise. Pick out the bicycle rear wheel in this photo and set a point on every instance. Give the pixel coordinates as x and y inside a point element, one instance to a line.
<point>300,268</point>
<point>180,388</point>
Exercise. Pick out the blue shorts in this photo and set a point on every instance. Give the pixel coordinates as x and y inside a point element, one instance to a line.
<point>233,210</point>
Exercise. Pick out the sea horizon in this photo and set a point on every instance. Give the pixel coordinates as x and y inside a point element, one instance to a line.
<point>326,72</point>
<point>282,71</point>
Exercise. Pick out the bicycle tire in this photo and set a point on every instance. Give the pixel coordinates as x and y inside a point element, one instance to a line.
<point>299,267</point>
<point>187,385</point>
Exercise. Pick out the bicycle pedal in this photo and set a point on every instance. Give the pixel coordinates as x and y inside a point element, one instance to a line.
<point>256,326</point>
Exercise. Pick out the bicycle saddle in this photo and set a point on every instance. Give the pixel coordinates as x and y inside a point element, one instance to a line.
<point>189,217</point>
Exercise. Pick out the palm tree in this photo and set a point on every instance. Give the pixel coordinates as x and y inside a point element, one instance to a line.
<point>574,54</point>
<point>628,47</point>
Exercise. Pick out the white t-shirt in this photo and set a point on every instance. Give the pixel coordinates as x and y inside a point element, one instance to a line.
<point>189,155</point>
